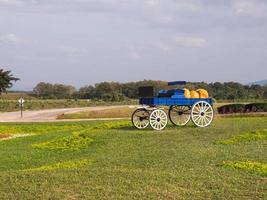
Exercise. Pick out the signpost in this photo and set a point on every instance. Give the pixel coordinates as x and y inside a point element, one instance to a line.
<point>21,102</point>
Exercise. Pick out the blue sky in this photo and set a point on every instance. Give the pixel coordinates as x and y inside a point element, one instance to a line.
<point>82,42</point>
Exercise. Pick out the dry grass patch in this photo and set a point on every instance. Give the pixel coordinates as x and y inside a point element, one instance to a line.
<point>4,136</point>
<point>62,165</point>
<point>107,113</point>
<point>9,137</point>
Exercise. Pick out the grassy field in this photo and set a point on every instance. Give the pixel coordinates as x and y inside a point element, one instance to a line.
<point>112,160</point>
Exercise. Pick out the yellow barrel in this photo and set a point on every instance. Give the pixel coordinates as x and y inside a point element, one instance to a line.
<point>203,93</point>
<point>194,94</point>
<point>187,93</point>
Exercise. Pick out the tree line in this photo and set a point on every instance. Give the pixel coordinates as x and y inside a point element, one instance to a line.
<point>115,91</point>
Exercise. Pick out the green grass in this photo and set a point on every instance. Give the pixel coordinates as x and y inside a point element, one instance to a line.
<point>120,162</point>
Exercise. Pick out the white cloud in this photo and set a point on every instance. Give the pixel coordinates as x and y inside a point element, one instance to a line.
<point>254,8</point>
<point>10,39</point>
<point>190,41</point>
<point>11,2</point>
<point>135,56</point>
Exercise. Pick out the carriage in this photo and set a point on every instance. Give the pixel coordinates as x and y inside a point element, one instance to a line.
<point>180,109</point>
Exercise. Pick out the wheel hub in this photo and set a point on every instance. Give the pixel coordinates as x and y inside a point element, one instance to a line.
<point>202,114</point>
<point>158,119</point>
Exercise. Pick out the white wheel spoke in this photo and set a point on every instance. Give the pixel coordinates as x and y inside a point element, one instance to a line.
<point>202,114</point>
<point>140,118</point>
<point>158,119</point>
<point>179,115</point>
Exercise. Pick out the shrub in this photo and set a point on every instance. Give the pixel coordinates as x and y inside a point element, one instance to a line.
<point>241,108</point>
<point>231,108</point>
<point>256,107</point>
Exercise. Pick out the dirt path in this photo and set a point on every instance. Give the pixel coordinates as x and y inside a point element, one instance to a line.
<point>47,115</point>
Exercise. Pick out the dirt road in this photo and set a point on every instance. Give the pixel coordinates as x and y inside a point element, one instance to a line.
<point>46,115</point>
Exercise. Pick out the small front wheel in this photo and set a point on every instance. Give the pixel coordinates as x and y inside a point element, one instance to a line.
<point>202,114</point>
<point>158,119</point>
<point>140,118</point>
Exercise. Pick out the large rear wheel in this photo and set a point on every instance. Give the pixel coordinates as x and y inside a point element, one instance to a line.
<point>179,115</point>
<point>202,114</point>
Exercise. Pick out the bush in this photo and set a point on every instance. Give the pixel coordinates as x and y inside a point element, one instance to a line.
<point>242,108</point>
<point>256,107</point>
<point>231,108</point>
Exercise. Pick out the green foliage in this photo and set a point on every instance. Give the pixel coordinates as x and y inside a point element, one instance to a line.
<point>116,91</point>
<point>59,91</point>
<point>62,165</point>
<point>6,79</point>
<point>247,137</point>
<point>74,142</point>
<point>248,166</point>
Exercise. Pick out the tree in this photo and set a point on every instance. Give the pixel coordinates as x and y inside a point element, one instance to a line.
<point>59,91</point>
<point>6,79</point>
<point>44,90</point>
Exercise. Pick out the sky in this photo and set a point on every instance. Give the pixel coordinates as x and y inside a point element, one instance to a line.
<point>82,42</point>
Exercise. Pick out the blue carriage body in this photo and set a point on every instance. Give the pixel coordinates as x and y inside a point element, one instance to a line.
<point>166,101</point>
<point>174,97</point>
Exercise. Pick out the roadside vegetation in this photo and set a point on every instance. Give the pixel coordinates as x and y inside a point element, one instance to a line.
<point>112,160</point>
